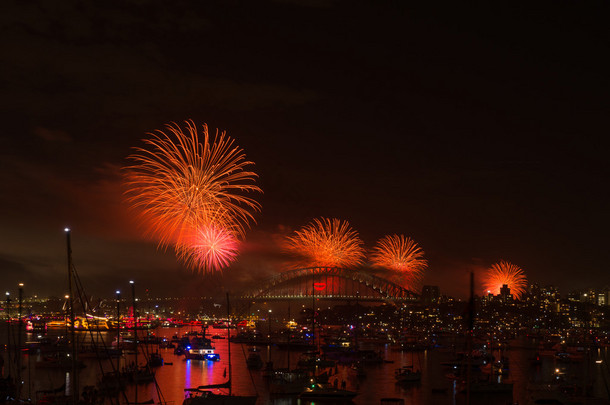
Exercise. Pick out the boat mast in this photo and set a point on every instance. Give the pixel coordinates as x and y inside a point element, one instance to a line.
<point>74,376</point>
<point>229,341</point>
<point>118,332</point>
<point>289,333</point>
<point>8,332</point>
<point>357,321</point>
<point>19,329</point>
<point>135,334</point>
<point>313,311</point>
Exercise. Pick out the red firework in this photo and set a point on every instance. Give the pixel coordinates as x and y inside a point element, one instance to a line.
<point>326,243</point>
<point>402,255</point>
<point>179,184</point>
<point>210,248</point>
<point>505,273</point>
<point>193,194</point>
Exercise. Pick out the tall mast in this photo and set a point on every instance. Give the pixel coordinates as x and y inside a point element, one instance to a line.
<point>135,333</point>
<point>229,341</point>
<point>313,311</point>
<point>357,321</point>
<point>19,329</point>
<point>74,374</point>
<point>8,332</point>
<point>289,333</point>
<point>118,332</point>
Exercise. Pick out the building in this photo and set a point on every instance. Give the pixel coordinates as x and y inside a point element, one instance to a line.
<point>505,295</point>
<point>430,294</point>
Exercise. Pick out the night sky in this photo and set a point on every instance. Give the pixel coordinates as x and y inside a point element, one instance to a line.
<point>480,133</point>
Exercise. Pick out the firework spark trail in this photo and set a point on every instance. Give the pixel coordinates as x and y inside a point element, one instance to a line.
<point>326,243</point>
<point>505,273</point>
<point>180,185</point>
<point>209,248</point>
<point>402,255</point>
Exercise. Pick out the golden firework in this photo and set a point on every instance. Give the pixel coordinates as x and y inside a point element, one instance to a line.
<point>182,181</point>
<point>401,255</point>
<point>326,243</point>
<point>505,273</point>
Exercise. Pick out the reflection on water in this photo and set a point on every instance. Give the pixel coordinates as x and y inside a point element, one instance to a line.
<point>434,387</point>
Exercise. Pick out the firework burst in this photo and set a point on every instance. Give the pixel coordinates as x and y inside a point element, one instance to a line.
<point>505,273</point>
<point>326,243</point>
<point>209,248</point>
<point>402,255</point>
<point>182,185</point>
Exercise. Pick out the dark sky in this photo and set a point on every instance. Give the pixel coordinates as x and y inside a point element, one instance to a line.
<point>479,132</point>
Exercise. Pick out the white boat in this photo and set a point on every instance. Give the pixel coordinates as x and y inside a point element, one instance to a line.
<point>200,348</point>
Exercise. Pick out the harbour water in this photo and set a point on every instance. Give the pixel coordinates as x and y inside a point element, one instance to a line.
<point>434,388</point>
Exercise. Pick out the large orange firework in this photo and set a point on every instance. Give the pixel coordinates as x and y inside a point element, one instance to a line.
<point>402,255</point>
<point>326,243</point>
<point>505,273</point>
<point>209,248</point>
<point>180,184</point>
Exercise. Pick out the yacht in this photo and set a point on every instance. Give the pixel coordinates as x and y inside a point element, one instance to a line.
<point>406,374</point>
<point>200,348</point>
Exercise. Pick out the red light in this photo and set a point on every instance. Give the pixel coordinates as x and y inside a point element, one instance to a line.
<point>319,286</point>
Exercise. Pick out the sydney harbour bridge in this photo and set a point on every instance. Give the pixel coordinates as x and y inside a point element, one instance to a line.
<point>332,283</point>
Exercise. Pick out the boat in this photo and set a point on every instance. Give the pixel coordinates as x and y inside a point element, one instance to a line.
<point>203,395</point>
<point>143,375</point>
<point>200,348</point>
<point>392,401</point>
<point>206,397</point>
<point>254,361</point>
<point>155,360</point>
<point>112,383</point>
<point>406,374</point>
<point>326,392</point>
<point>312,360</point>
<point>202,354</point>
<point>285,382</point>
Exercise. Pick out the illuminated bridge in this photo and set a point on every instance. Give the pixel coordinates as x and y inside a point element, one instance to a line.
<point>330,283</point>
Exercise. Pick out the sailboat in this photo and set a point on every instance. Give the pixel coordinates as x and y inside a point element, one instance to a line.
<point>490,386</point>
<point>202,394</point>
<point>286,381</point>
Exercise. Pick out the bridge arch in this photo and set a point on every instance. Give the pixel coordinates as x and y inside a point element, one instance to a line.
<point>313,281</point>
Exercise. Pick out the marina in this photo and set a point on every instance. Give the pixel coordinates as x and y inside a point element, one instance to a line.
<point>437,369</point>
